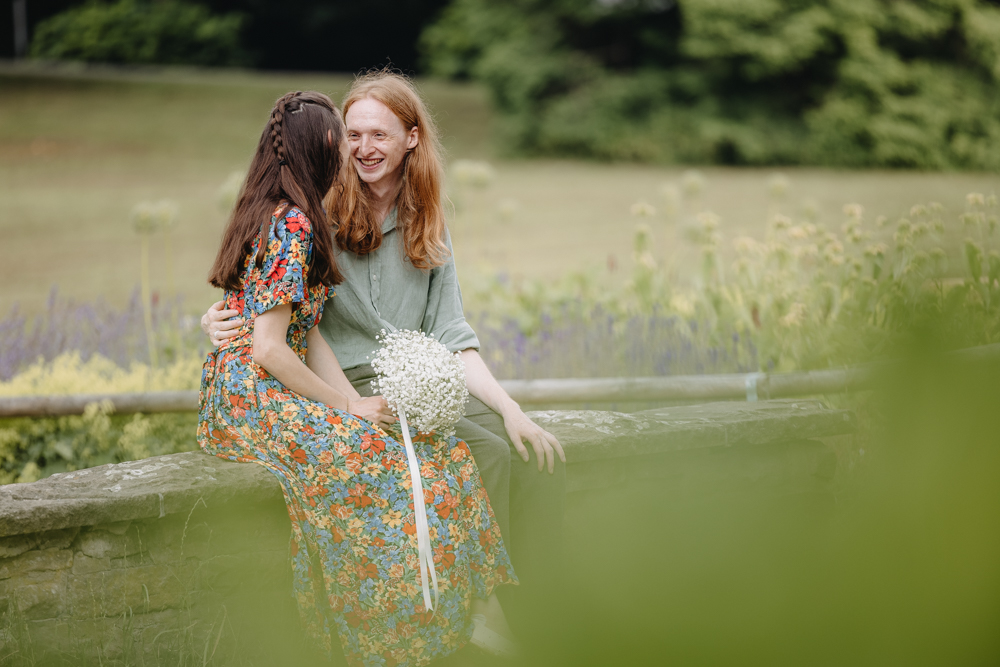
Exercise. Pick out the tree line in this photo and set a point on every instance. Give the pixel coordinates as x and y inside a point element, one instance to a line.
<point>851,83</point>
<point>338,36</point>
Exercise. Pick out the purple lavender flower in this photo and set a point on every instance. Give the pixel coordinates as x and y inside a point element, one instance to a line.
<point>91,328</point>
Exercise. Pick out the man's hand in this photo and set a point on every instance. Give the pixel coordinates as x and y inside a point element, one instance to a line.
<point>520,428</point>
<point>483,386</point>
<point>372,409</point>
<point>219,324</point>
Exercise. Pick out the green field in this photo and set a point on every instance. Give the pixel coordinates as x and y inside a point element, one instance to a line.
<point>80,147</point>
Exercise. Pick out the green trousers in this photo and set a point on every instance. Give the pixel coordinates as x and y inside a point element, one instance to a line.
<point>527,504</point>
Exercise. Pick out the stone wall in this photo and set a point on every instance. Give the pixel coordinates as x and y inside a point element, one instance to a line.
<point>184,557</point>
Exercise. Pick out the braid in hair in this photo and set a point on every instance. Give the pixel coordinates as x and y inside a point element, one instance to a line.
<point>277,118</point>
<point>277,141</point>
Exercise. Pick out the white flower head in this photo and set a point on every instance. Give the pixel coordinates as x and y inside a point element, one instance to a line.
<point>641,209</point>
<point>418,374</point>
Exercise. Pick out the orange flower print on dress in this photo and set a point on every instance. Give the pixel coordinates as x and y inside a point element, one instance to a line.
<point>347,486</point>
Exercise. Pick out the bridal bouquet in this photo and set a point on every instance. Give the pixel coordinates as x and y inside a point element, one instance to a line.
<point>417,374</point>
<point>425,383</point>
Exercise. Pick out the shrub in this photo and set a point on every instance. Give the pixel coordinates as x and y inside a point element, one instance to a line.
<point>34,448</point>
<point>802,297</point>
<point>135,32</point>
<point>855,83</point>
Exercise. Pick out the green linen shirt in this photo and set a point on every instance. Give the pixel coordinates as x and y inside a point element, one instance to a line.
<point>382,290</point>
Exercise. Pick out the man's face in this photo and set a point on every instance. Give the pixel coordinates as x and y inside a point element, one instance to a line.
<point>377,141</point>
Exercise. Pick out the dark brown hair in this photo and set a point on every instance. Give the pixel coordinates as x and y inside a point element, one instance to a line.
<point>418,203</point>
<point>295,164</point>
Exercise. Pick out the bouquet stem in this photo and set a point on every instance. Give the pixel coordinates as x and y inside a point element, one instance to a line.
<point>424,553</point>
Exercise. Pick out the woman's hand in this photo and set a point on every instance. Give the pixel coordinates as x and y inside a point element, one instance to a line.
<point>219,324</point>
<point>520,429</point>
<point>372,409</point>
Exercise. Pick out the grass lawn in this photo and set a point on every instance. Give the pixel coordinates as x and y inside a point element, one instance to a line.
<point>80,147</point>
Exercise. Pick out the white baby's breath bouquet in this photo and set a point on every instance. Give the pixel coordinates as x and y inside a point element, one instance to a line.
<point>424,384</point>
<point>418,374</point>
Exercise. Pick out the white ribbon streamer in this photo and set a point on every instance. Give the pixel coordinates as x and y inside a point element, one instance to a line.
<point>424,553</point>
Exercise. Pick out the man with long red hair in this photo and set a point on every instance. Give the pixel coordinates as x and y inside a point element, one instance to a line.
<point>394,252</point>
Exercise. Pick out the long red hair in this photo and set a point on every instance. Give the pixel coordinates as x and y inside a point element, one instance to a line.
<point>295,162</point>
<point>420,214</point>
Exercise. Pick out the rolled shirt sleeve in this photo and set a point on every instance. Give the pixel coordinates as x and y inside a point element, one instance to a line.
<point>444,317</point>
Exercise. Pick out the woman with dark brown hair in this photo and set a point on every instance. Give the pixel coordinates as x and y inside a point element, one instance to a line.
<point>274,394</point>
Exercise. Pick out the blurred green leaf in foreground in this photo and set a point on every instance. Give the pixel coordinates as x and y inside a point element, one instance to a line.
<point>901,566</point>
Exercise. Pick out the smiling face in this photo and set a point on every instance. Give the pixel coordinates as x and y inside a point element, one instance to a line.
<point>378,142</point>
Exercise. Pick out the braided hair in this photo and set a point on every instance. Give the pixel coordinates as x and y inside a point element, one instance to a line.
<point>277,117</point>
<point>295,164</point>
<point>277,141</point>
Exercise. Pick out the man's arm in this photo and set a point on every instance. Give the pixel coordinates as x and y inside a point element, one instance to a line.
<point>445,320</point>
<point>484,386</point>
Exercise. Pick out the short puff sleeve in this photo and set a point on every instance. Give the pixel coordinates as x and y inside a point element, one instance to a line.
<point>286,262</point>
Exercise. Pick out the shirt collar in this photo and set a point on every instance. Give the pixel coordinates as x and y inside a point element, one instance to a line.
<point>389,223</point>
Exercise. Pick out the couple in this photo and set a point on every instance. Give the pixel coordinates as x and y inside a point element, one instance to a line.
<point>289,385</point>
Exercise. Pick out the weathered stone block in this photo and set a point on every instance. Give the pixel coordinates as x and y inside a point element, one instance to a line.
<point>115,527</point>
<point>57,539</point>
<point>41,594</point>
<point>15,545</point>
<point>84,564</point>
<point>35,561</point>
<point>103,544</point>
<point>135,590</point>
<point>597,435</point>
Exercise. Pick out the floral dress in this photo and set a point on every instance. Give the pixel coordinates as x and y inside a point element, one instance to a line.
<point>347,485</point>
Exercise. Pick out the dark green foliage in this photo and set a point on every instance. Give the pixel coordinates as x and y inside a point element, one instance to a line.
<point>315,35</point>
<point>134,32</point>
<point>850,83</point>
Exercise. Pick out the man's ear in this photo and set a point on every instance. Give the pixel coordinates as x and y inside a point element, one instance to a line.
<point>413,139</point>
<point>329,138</point>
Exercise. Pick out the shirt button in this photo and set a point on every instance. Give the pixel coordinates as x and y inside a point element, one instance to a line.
<point>374,277</point>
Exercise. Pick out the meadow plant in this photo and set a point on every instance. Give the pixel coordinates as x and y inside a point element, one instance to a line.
<point>803,296</point>
<point>34,448</point>
<point>603,343</point>
<point>69,373</point>
<point>145,221</point>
